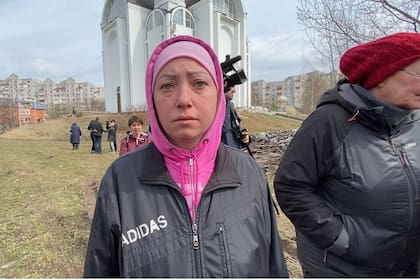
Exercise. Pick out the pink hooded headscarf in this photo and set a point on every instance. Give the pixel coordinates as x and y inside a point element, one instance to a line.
<point>204,154</point>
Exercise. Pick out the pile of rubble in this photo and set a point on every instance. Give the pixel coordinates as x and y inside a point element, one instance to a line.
<point>269,147</point>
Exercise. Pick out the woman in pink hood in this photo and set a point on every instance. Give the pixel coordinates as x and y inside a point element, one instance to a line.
<point>185,205</point>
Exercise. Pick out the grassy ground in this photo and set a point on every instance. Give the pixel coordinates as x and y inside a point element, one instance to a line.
<point>44,224</point>
<point>44,191</point>
<point>260,122</point>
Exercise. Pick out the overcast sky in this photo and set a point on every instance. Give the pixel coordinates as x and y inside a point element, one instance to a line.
<point>58,39</point>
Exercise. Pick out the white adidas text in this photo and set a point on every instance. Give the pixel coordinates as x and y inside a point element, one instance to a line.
<point>143,230</point>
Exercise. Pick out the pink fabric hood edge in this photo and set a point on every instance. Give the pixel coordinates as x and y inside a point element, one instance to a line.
<point>213,135</point>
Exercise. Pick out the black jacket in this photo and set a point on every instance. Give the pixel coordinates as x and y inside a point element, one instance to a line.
<point>231,131</point>
<point>96,128</point>
<point>142,226</point>
<point>348,173</point>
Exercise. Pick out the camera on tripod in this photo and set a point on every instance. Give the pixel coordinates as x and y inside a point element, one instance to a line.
<point>232,76</point>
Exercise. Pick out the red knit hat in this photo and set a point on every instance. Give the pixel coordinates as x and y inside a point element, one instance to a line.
<point>371,63</point>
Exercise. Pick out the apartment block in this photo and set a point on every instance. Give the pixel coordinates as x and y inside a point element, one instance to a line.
<point>300,91</point>
<point>79,95</point>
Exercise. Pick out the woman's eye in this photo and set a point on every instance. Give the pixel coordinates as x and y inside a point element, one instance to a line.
<point>200,84</point>
<point>166,86</point>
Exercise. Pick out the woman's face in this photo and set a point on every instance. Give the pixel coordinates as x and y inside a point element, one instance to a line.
<point>401,89</point>
<point>185,98</point>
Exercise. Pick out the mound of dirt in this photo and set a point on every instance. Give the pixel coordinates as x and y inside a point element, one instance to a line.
<point>268,149</point>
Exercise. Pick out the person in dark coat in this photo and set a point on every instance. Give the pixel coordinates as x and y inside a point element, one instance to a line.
<point>232,134</point>
<point>350,179</point>
<point>92,150</point>
<point>75,134</point>
<point>112,135</point>
<point>97,130</point>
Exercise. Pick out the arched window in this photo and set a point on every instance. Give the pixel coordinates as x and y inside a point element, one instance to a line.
<point>189,21</point>
<point>158,17</point>
<point>225,6</point>
<point>149,25</point>
<point>118,99</point>
<point>155,21</point>
<point>183,18</point>
<point>155,30</point>
<point>178,17</point>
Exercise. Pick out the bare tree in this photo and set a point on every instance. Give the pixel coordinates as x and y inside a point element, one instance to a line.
<point>8,113</point>
<point>333,26</point>
<point>256,99</point>
<point>315,85</point>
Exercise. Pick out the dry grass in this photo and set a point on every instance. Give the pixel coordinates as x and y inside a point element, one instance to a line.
<point>44,224</point>
<point>259,122</point>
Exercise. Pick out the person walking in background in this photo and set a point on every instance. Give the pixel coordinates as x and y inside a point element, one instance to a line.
<point>97,130</point>
<point>92,150</point>
<point>116,132</point>
<point>350,179</point>
<point>112,136</point>
<point>135,138</point>
<point>184,205</point>
<point>75,134</point>
<point>115,125</point>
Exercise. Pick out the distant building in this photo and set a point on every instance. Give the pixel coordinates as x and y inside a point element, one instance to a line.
<point>274,90</point>
<point>131,29</point>
<point>81,96</point>
<point>266,93</point>
<point>300,91</point>
<point>21,113</point>
<point>31,113</point>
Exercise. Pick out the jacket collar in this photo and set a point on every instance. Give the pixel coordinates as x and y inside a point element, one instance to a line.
<point>155,172</point>
<point>373,118</point>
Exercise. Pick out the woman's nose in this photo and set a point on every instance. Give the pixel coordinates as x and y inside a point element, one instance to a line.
<point>184,96</point>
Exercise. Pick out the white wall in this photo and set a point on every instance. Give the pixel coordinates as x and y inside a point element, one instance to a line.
<point>111,63</point>
<point>136,20</point>
<point>116,65</point>
<point>204,27</point>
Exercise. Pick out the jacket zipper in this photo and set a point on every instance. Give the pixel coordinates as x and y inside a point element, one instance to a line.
<point>192,184</point>
<point>402,154</point>
<point>194,226</point>
<point>196,250</point>
<point>195,241</point>
<point>412,189</point>
<point>223,250</point>
<point>391,141</point>
<point>411,182</point>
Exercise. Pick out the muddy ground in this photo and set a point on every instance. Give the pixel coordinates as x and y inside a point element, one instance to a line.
<point>267,148</point>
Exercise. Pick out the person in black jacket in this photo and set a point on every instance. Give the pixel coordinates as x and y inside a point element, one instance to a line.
<point>232,134</point>
<point>184,205</point>
<point>111,127</point>
<point>92,150</point>
<point>112,135</point>
<point>97,129</point>
<point>350,179</point>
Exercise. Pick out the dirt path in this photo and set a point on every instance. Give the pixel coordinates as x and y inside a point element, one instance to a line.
<point>268,150</point>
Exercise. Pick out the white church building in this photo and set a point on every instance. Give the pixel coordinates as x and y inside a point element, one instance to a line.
<point>131,29</point>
